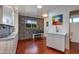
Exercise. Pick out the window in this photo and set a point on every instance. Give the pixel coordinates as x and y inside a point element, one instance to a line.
<point>70,20</point>
<point>74,19</point>
<point>28,25</point>
<point>31,23</point>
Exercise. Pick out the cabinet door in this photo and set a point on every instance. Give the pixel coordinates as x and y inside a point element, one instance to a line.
<point>2,47</point>
<point>50,41</point>
<point>1,15</point>
<point>8,15</point>
<point>12,45</point>
<point>9,46</point>
<point>59,43</point>
<point>56,42</point>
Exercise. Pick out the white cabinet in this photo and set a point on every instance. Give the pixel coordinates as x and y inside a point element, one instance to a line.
<point>7,15</point>
<point>50,41</point>
<point>8,46</point>
<point>56,41</point>
<point>2,47</point>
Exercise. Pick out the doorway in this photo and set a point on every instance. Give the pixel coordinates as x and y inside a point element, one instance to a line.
<point>74,32</point>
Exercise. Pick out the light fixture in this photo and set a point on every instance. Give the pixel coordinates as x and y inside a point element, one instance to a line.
<point>45,15</point>
<point>39,6</point>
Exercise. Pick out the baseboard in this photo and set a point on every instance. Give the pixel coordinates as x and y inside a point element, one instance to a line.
<point>32,38</point>
<point>56,50</point>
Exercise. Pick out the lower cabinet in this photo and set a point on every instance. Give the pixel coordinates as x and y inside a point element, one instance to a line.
<point>2,47</point>
<point>59,44</point>
<point>56,41</point>
<point>8,46</point>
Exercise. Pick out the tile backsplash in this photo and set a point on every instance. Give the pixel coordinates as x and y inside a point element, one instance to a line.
<point>5,30</point>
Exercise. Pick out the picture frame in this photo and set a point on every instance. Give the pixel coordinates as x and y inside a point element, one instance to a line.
<point>57,20</point>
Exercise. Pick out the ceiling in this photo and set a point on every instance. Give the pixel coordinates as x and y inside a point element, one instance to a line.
<point>33,11</point>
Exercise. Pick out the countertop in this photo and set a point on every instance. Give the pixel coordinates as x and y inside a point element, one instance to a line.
<point>58,33</point>
<point>10,37</point>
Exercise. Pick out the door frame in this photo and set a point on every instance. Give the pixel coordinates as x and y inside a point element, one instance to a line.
<point>69,34</point>
<point>70,28</point>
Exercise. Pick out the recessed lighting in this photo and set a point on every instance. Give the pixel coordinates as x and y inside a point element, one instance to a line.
<point>45,15</point>
<point>39,6</point>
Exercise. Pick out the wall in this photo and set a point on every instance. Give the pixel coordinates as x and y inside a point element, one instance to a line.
<point>63,28</point>
<point>75,32</point>
<point>45,27</point>
<point>26,33</point>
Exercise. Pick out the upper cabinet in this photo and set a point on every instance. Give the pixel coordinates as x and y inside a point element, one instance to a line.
<point>7,15</point>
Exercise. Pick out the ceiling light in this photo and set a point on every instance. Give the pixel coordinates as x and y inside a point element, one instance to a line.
<point>44,15</point>
<point>39,6</point>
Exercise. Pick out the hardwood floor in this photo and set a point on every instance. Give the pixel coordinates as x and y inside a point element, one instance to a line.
<point>74,48</point>
<point>35,47</point>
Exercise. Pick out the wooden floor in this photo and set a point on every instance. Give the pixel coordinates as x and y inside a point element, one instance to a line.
<point>35,47</point>
<point>74,48</point>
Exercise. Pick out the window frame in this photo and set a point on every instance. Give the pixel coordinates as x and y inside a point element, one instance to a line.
<point>72,20</point>
<point>31,27</point>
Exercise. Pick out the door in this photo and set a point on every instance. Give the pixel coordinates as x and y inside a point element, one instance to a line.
<point>74,29</point>
<point>74,35</point>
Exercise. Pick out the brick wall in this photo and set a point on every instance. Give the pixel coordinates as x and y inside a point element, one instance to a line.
<point>25,33</point>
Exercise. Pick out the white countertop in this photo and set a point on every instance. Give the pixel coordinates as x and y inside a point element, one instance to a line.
<point>10,37</point>
<point>58,33</point>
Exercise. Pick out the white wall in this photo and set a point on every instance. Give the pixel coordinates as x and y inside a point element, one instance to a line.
<point>75,32</point>
<point>45,28</point>
<point>63,28</point>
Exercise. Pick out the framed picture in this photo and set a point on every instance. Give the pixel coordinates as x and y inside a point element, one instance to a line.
<point>57,20</point>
